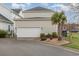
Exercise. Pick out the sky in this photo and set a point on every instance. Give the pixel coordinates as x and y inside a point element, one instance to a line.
<point>53,6</point>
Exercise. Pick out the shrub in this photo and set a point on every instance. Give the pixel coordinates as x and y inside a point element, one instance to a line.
<point>42,34</point>
<point>54,35</point>
<point>49,36</point>
<point>43,37</point>
<point>3,33</point>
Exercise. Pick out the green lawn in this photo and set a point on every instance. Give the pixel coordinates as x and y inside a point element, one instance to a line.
<point>74,39</point>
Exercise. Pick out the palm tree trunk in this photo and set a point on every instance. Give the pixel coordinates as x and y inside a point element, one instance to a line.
<point>59,31</point>
<point>62,28</point>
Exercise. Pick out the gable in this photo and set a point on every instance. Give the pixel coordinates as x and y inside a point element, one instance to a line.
<point>38,9</point>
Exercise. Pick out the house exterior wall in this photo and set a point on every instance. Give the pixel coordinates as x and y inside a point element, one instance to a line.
<point>43,14</point>
<point>5,26</point>
<point>46,26</point>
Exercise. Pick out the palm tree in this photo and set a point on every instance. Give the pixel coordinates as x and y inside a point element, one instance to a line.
<point>59,18</point>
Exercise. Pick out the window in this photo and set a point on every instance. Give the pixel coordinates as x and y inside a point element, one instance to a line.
<point>8,27</point>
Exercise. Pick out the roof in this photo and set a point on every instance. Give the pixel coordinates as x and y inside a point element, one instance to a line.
<point>16,10</point>
<point>37,9</point>
<point>4,19</point>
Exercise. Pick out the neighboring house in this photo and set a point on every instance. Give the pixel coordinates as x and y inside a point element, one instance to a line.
<point>36,20</point>
<point>72,27</point>
<point>6,19</point>
<point>5,24</point>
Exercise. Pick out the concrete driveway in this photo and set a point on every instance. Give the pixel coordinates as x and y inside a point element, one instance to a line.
<point>31,48</point>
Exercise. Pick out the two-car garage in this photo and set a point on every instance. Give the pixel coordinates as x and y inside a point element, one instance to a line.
<point>28,32</point>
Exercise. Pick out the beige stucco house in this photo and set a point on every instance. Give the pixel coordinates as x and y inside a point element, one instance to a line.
<point>35,21</point>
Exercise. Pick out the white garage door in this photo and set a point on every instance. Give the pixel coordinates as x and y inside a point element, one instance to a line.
<point>28,32</point>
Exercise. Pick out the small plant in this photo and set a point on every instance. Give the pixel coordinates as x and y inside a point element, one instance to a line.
<point>43,37</point>
<point>54,35</point>
<point>3,33</point>
<point>49,36</point>
<point>42,34</point>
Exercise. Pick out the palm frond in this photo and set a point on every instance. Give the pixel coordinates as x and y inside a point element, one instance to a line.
<point>58,17</point>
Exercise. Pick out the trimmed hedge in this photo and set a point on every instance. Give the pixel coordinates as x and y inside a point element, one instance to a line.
<point>54,35</point>
<point>3,33</point>
<point>44,37</point>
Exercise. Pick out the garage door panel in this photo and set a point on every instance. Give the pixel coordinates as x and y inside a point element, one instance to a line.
<point>28,32</point>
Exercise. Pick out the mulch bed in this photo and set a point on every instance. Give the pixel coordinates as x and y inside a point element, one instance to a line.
<point>56,42</point>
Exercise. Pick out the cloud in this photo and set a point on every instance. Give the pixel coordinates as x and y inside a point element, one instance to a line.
<point>44,4</point>
<point>15,5</point>
<point>23,6</point>
<point>61,7</point>
<point>28,4</point>
<point>18,5</point>
<point>65,8</point>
